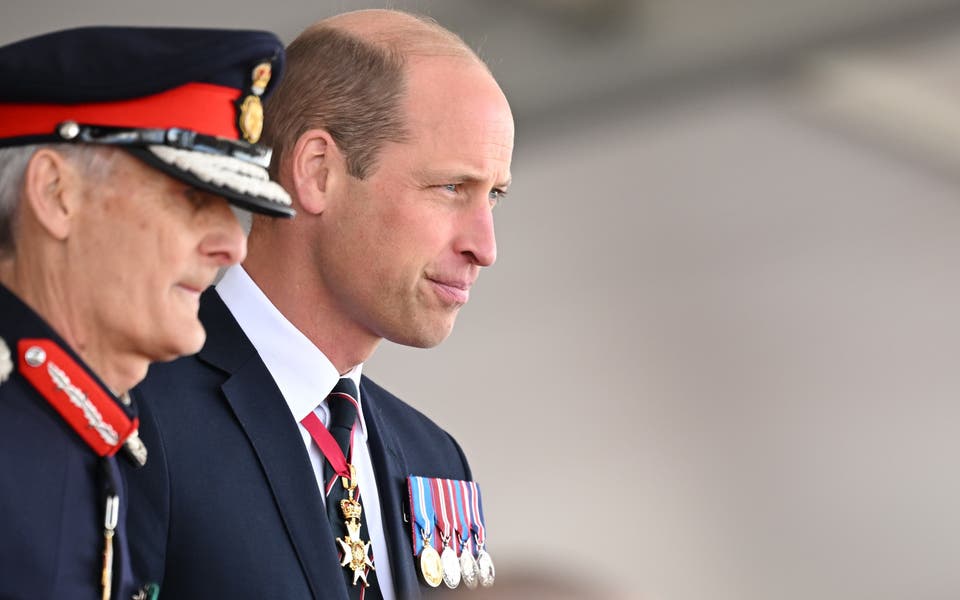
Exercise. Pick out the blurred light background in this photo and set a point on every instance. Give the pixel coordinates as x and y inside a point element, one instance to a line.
<point>719,355</point>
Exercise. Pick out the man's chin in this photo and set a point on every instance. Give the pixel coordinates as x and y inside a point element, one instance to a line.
<point>425,336</point>
<point>183,346</point>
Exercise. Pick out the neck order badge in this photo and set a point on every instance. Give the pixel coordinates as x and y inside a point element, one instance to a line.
<point>453,508</point>
<point>356,552</point>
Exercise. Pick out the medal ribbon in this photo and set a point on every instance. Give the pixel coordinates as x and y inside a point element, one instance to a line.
<point>477,510</point>
<point>466,527</point>
<point>440,502</point>
<point>329,446</point>
<point>423,511</point>
<point>451,505</point>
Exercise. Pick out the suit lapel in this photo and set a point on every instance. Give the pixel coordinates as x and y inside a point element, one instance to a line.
<point>262,413</point>
<point>390,470</point>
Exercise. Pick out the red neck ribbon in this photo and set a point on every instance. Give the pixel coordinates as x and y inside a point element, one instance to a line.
<point>329,446</point>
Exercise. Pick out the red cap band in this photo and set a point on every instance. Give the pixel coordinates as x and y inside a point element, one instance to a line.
<point>202,107</point>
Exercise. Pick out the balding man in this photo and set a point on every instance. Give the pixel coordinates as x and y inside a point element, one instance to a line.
<point>395,142</point>
<point>120,149</point>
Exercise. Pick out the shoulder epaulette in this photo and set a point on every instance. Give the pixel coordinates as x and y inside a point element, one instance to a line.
<point>89,409</point>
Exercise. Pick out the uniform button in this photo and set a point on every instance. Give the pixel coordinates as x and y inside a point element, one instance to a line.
<point>35,356</point>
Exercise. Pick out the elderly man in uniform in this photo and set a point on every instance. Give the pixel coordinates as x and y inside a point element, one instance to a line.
<point>120,149</point>
<point>277,479</point>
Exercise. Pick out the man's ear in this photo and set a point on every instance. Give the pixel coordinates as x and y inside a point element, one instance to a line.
<point>51,188</point>
<point>313,160</point>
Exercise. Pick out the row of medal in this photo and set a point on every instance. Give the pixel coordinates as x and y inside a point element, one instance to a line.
<point>448,532</point>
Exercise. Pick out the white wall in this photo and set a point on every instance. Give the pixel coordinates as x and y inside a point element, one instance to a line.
<point>717,358</point>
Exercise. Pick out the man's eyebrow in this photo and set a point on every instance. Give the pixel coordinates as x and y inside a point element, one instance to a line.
<point>461,176</point>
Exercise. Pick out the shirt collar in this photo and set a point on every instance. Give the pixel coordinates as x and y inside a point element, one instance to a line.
<point>303,373</point>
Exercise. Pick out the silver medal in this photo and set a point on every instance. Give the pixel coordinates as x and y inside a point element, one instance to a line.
<point>469,569</point>
<point>451,567</point>
<point>486,571</point>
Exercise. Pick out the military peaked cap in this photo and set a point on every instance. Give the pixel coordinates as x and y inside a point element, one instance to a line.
<point>185,101</point>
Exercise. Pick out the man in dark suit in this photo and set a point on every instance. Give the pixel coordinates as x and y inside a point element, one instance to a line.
<point>119,152</point>
<point>395,143</point>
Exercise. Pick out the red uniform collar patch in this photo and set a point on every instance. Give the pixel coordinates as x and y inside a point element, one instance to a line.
<point>89,409</point>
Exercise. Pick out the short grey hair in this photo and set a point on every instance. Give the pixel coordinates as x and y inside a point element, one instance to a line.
<point>96,162</point>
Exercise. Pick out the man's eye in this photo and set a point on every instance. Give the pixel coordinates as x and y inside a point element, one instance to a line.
<point>496,195</point>
<point>450,187</point>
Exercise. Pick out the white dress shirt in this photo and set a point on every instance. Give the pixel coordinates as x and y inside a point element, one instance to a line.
<point>305,377</point>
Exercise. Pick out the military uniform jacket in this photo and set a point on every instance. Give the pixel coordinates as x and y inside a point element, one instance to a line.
<point>235,508</point>
<point>52,484</point>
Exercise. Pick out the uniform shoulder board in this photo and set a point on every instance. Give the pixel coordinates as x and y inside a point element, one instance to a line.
<point>6,364</point>
<point>89,409</point>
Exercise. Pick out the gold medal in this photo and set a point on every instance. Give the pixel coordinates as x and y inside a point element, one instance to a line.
<point>431,566</point>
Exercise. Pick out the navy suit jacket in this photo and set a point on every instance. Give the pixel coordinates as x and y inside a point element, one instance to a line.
<point>234,507</point>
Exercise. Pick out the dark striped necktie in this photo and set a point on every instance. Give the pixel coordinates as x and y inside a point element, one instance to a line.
<point>343,406</point>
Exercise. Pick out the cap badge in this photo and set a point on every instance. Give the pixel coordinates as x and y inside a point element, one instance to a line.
<point>250,119</point>
<point>261,77</point>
